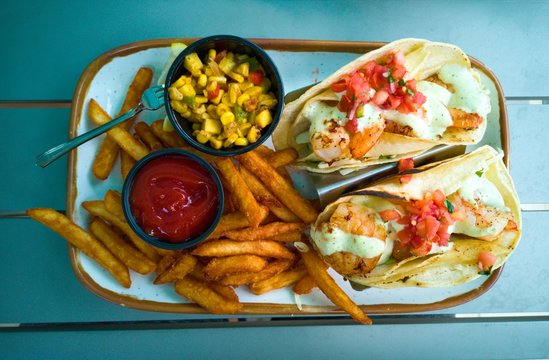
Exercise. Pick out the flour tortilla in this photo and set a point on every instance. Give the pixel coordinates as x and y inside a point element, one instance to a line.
<point>459,264</point>
<point>423,59</point>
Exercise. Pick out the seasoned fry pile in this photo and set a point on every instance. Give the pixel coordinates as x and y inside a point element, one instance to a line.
<point>253,244</point>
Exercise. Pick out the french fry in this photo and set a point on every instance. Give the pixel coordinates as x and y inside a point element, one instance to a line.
<point>264,150</point>
<point>177,270</point>
<point>316,269</point>
<point>126,164</point>
<point>113,203</point>
<point>165,262</point>
<point>247,204</point>
<point>224,290</point>
<point>122,137</point>
<point>304,285</point>
<point>106,156</point>
<point>200,293</point>
<point>219,267</point>
<point>169,138</point>
<point>263,232</point>
<point>282,157</point>
<point>130,256</point>
<point>282,189</point>
<point>236,220</point>
<point>278,281</point>
<point>270,270</point>
<point>265,197</point>
<point>146,135</point>
<point>231,248</point>
<point>84,241</point>
<point>288,237</point>
<point>97,208</point>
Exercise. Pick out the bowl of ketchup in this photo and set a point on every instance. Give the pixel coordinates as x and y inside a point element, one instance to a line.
<point>172,199</point>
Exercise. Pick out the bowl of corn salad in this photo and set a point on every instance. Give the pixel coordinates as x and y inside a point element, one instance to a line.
<point>224,95</point>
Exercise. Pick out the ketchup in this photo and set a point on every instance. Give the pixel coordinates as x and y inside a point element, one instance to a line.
<point>174,198</point>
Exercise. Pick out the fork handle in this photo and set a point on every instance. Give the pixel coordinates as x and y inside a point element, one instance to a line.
<point>55,153</point>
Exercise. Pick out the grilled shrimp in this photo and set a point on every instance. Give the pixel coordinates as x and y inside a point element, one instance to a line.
<point>357,220</point>
<point>363,141</point>
<point>332,145</point>
<point>481,221</point>
<point>460,119</point>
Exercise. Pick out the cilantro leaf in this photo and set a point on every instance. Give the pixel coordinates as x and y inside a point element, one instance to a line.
<point>449,206</point>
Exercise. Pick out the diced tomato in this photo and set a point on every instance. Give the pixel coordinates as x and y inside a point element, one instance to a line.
<point>419,98</point>
<point>352,125</point>
<point>256,77</point>
<point>417,241</point>
<point>422,250</point>
<point>398,58</point>
<point>345,104</point>
<point>405,164</point>
<point>405,235</point>
<point>486,260</point>
<point>405,179</point>
<point>339,86</point>
<point>369,68</point>
<point>213,94</point>
<point>438,197</point>
<point>389,214</point>
<point>380,97</point>
<point>431,225</point>
<point>398,71</point>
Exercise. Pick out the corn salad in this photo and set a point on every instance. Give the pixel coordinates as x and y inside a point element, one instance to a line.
<point>227,98</point>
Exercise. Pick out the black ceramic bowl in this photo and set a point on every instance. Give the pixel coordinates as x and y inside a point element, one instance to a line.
<point>127,196</point>
<point>237,45</point>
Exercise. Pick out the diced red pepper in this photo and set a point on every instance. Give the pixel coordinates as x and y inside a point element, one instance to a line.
<point>220,55</point>
<point>213,94</point>
<point>256,77</point>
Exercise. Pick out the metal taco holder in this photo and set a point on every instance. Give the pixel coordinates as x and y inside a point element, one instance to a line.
<point>329,187</point>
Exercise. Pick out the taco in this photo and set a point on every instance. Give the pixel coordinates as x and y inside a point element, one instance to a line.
<point>453,222</point>
<point>391,103</point>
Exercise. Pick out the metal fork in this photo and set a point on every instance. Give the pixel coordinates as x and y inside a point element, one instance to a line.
<point>152,99</point>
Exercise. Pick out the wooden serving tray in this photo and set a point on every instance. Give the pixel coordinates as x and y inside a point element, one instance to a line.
<point>301,62</point>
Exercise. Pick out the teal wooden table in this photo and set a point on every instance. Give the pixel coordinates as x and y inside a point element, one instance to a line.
<point>46,313</point>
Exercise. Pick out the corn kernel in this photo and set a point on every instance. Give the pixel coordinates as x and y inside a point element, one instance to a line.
<point>174,93</point>
<point>236,76</point>
<point>241,141</point>
<point>212,54</point>
<point>193,63</point>
<point>243,69</point>
<point>242,98</point>
<point>212,126</point>
<point>245,128</point>
<point>200,110</point>
<point>230,140</point>
<point>263,119</point>
<point>225,99</point>
<point>227,118</point>
<point>202,80</point>
<point>216,100</point>
<point>253,134</point>
<point>234,92</point>
<point>203,137</point>
<point>221,109</point>
<point>218,79</point>
<point>178,106</point>
<point>208,72</point>
<point>212,85</point>
<point>216,143</point>
<point>245,85</point>
<point>254,91</point>
<point>187,90</point>
<point>199,99</point>
<point>180,82</point>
